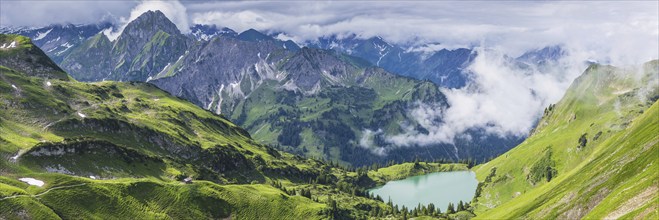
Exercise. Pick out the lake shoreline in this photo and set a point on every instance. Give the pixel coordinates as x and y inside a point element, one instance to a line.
<point>439,188</point>
<point>406,170</point>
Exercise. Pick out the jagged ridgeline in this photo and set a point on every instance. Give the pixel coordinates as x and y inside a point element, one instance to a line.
<point>593,155</point>
<point>312,102</point>
<point>114,150</point>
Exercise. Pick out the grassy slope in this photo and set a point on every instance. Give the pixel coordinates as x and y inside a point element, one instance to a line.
<point>150,199</point>
<point>23,127</point>
<point>136,139</point>
<point>591,181</point>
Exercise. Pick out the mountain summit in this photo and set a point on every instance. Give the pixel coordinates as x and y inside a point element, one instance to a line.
<point>148,24</point>
<point>18,53</point>
<point>148,44</point>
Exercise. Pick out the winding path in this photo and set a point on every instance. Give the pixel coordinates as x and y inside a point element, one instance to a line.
<point>44,192</point>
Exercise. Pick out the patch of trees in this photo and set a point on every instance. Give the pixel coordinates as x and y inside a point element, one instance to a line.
<point>290,135</point>
<point>224,158</point>
<point>336,132</point>
<point>420,210</point>
<point>583,140</point>
<point>597,136</point>
<point>549,109</point>
<point>291,192</point>
<point>544,168</point>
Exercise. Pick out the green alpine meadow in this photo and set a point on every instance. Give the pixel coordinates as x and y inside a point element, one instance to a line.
<point>337,110</point>
<point>114,150</point>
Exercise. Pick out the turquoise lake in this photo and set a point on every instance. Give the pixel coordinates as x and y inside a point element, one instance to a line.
<point>437,188</point>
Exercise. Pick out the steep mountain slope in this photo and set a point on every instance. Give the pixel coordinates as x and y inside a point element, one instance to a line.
<point>593,155</point>
<point>119,150</point>
<point>146,46</point>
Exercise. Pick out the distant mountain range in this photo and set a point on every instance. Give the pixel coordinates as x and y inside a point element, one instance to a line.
<point>316,101</point>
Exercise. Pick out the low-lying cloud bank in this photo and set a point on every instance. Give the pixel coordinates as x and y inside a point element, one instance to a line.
<point>502,98</point>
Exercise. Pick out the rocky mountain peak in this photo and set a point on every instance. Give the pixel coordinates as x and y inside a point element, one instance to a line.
<point>150,23</point>
<point>253,35</point>
<point>17,52</point>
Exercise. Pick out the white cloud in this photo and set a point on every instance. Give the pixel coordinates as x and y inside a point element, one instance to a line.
<point>173,10</point>
<point>44,12</point>
<point>616,31</point>
<point>502,99</point>
<point>367,141</point>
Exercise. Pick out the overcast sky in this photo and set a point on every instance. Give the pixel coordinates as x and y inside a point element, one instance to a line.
<point>608,26</point>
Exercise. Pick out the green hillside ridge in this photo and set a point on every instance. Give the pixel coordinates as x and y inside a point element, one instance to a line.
<point>18,52</point>
<point>112,150</point>
<point>593,155</point>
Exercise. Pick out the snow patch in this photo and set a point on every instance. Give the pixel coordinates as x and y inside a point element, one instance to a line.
<point>67,45</point>
<point>15,157</point>
<point>54,40</point>
<point>218,110</point>
<point>164,69</point>
<point>92,177</point>
<point>14,86</point>
<point>32,181</point>
<point>5,46</point>
<point>48,83</point>
<point>42,35</point>
<point>381,56</point>
<point>82,115</point>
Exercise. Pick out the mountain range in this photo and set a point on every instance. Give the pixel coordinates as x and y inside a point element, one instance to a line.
<point>211,125</point>
<point>316,101</point>
<point>70,149</point>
